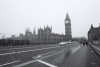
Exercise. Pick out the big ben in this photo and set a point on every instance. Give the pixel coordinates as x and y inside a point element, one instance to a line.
<point>68,35</point>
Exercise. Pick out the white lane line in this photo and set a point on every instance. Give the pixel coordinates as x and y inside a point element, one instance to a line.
<point>38,56</point>
<point>9,63</point>
<point>26,63</point>
<point>53,54</point>
<point>29,50</point>
<point>8,53</point>
<point>48,64</point>
<point>49,52</point>
<point>96,47</point>
<point>37,49</point>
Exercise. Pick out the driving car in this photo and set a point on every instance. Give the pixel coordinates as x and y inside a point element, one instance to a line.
<point>68,42</point>
<point>62,43</point>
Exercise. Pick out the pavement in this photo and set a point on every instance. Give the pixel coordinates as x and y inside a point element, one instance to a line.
<point>84,57</point>
<point>70,55</point>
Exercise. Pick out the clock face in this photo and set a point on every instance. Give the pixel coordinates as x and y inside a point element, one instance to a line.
<point>66,21</point>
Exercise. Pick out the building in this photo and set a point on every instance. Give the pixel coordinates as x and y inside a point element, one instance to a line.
<point>94,33</point>
<point>13,36</point>
<point>34,32</point>
<point>45,35</point>
<point>21,36</point>
<point>68,35</point>
<point>79,39</point>
<point>28,32</point>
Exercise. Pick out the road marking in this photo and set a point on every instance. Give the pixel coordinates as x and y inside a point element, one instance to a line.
<point>38,56</point>
<point>8,53</point>
<point>37,49</point>
<point>52,54</point>
<point>48,64</point>
<point>23,64</point>
<point>49,52</point>
<point>29,50</point>
<point>9,63</point>
<point>26,63</point>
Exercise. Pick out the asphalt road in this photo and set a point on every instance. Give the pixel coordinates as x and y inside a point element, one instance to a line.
<point>70,55</point>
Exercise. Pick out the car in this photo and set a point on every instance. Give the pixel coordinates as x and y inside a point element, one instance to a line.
<point>68,42</point>
<point>62,43</point>
<point>75,42</point>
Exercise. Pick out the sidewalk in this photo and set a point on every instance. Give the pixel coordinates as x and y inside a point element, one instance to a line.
<point>84,57</point>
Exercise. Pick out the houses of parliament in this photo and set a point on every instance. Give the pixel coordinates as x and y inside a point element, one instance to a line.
<point>45,34</point>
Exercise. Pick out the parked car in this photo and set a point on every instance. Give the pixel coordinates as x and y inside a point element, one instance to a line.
<point>62,43</point>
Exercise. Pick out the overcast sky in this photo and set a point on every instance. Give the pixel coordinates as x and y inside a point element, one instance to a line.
<point>16,15</point>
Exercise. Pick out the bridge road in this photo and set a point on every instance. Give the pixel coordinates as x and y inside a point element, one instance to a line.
<point>17,55</point>
<point>80,56</point>
<point>71,55</point>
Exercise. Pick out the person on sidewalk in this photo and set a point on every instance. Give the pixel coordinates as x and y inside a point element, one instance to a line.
<point>87,43</point>
<point>83,43</point>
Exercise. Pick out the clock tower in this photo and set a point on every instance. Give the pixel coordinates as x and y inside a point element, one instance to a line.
<point>68,35</point>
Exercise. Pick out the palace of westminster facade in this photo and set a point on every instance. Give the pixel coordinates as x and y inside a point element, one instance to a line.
<point>46,36</point>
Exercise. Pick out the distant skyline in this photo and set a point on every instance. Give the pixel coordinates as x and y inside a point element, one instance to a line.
<point>17,15</point>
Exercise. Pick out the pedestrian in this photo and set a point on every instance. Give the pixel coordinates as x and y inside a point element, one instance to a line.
<point>83,43</point>
<point>87,43</point>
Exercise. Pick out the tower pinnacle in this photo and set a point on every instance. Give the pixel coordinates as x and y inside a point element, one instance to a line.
<point>68,28</point>
<point>67,19</point>
<point>92,26</point>
<point>34,32</point>
<point>67,15</point>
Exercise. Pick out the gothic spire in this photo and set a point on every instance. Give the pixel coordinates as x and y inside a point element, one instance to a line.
<point>67,15</point>
<point>34,32</point>
<point>91,25</point>
<point>67,19</point>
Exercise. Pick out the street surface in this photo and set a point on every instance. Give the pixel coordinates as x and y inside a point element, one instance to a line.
<point>70,55</point>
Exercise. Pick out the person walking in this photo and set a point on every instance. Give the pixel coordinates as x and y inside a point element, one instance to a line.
<point>83,43</point>
<point>87,43</point>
